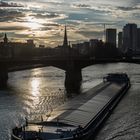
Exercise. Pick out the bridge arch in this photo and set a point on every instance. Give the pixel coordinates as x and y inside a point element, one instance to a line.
<point>72,82</point>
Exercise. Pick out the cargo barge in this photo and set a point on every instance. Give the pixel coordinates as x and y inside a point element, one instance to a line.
<point>79,118</point>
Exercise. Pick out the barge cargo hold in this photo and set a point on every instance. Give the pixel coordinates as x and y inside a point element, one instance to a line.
<point>79,118</point>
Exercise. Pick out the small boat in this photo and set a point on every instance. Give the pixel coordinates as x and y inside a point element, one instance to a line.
<point>80,118</point>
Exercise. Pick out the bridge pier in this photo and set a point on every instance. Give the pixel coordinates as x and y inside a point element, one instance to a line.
<point>73,80</point>
<point>3,75</point>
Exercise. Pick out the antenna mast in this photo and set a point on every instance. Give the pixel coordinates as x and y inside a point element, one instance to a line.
<point>104,33</point>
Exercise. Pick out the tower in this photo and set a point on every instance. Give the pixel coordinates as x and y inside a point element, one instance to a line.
<point>65,42</point>
<point>111,36</point>
<point>138,35</point>
<point>130,37</point>
<point>5,39</point>
<point>104,33</point>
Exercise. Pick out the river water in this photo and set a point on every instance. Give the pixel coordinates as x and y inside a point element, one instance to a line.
<point>35,92</point>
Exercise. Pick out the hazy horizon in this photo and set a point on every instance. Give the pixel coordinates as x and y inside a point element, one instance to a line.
<point>44,20</point>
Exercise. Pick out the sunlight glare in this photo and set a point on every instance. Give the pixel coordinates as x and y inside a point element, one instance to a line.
<point>33,23</point>
<point>35,83</point>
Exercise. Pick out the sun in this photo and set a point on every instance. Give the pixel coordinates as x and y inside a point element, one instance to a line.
<point>33,23</point>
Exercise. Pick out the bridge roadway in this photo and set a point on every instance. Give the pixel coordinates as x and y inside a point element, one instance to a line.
<point>15,64</point>
<point>71,65</point>
<point>62,63</point>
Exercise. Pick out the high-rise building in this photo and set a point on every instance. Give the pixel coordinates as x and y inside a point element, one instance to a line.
<point>111,36</point>
<point>138,35</point>
<point>130,38</point>
<point>120,40</point>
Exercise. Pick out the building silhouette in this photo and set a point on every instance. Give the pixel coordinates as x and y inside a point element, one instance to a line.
<point>120,40</point>
<point>111,36</point>
<point>138,36</point>
<point>65,41</point>
<point>129,38</point>
<point>11,49</point>
<point>5,39</point>
<point>93,42</point>
<point>29,43</point>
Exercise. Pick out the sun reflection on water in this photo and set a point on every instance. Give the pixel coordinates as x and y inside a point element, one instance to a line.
<point>35,86</point>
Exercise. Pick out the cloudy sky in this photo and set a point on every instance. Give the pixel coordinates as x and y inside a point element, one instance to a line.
<point>44,20</point>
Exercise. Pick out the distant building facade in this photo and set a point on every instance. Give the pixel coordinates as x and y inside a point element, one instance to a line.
<point>111,36</point>
<point>93,42</point>
<point>82,48</point>
<point>29,43</point>
<point>12,49</point>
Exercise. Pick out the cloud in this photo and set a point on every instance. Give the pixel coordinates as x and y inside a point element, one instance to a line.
<point>96,7</point>
<point>49,15</point>
<point>128,8</point>
<point>9,4</point>
<point>81,6</point>
<point>45,28</point>
<point>51,24</point>
<point>91,34</point>
<point>105,10</point>
<point>10,15</point>
<point>11,28</point>
<point>135,2</point>
<point>1,35</point>
<point>20,35</point>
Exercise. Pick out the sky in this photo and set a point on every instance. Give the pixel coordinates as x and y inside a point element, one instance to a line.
<point>44,20</point>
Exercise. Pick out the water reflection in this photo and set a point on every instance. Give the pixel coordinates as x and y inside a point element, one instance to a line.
<point>35,86</point>
<point>35,92</point>
<point>35,82</point>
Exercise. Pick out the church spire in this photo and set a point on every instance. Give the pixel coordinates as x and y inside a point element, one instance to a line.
<point>65,42</point>
<point>5,39</point>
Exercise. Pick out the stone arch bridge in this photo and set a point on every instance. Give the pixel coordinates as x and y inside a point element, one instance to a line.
<point>71,66</point>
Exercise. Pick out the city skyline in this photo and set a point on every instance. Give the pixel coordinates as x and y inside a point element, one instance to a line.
<point>44,20</point>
